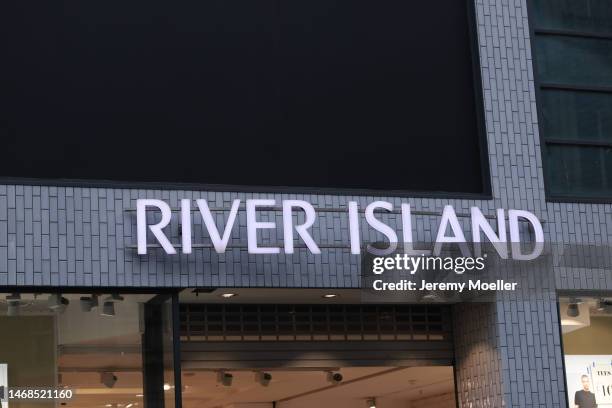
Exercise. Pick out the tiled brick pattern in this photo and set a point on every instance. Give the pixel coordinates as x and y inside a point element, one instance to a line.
<point>478,363</point>
<point>59,236</point>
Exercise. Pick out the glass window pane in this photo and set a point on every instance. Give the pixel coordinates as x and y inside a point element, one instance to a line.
<point>579,15</point>
<point>574,61</point>
<point>587,347</point>
<point>576,115</point>
<point>90,345</point>
<point>579,171</point>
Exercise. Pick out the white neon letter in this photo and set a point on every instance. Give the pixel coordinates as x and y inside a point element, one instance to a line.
<point>186,225</point>
<point>515,237</point>
<point>381,227</point>
<point>141,225</point>
<point>354,227</point>
<point>253,225</point>
<point>480,223</point>
<point>449,217</point>
<point>302,229</point>
<point>219,243</point>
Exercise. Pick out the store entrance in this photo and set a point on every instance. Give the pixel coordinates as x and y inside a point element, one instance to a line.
<point>332,352</point>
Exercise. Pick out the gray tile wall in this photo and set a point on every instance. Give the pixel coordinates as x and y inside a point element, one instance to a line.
<point>478,362</point>
<point>65,236</point>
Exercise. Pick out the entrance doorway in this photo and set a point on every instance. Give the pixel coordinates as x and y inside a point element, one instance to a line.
<point>305,348</point>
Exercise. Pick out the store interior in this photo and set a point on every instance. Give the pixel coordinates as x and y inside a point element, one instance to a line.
<point>586,323</point>
<point>93,345</point>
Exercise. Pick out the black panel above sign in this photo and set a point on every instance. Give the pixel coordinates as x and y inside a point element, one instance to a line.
<point>342,94</point>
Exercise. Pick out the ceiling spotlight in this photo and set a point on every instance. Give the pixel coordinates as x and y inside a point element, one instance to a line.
<point>167,387</point>
<point>108,309</point>
<point>573,310</point>
<point>334,378</point>
<point>601,305</point>
<point>58,303</point>
<point>13,297</point>
<point>225,378</point>
<point>108,379</point>
<point>371,402</point>
<point>86,304</point>
<point>330,296</point>
<point>114,298</point>
<point>263,378</point>
<point>228,295</point>
<point>13,304</point>
<point>604,305</point>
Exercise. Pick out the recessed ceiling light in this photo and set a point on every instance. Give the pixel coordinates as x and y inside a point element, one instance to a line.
<point>330,295</point>
<point>228,295</point>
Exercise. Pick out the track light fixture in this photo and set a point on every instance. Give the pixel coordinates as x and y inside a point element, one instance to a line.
<point>108,309</point>
<point>573,309</point>
<point>334,378</point>
<point>225,378</point>
<point>263,378</point>
<point>58,303</point>
<point>13,304</point>
<point>86,303</point>
<point>108,379</point>
<point>601,305</point>
<point>604,306</point>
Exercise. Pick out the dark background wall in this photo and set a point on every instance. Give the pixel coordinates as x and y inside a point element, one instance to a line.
<point>307,93</point>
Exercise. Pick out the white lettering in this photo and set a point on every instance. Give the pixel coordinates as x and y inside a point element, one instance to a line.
<point>515,238</point>
<point>480,223</point>
<point>253,225</point>
<point>354,227</point>
<point>141,225</point>
<point>302,229</point>
<point>449,218</point>
<point>381,227</point>
<point>219,243</point>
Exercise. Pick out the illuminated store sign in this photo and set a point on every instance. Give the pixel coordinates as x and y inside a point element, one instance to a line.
<point>506,221</point>
<point>220,236</point>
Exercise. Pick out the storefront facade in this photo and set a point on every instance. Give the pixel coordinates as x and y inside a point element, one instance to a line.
<point>77,239</point>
